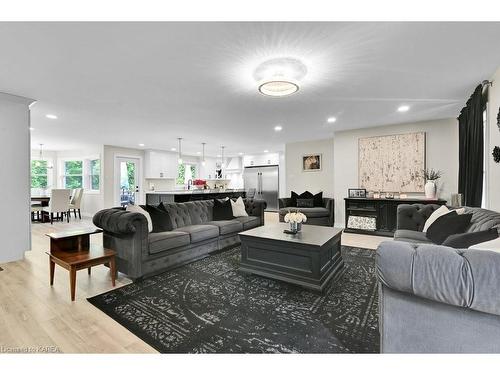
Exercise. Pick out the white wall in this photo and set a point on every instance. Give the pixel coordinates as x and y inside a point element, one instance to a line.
<point>494,140</point>
<point>441,154</point>
<point>300,181</point>
<point>15,221</point>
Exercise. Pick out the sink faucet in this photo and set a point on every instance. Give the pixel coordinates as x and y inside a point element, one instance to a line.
<point>190,183</point>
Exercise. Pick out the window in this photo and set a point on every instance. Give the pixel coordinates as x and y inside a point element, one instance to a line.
<point>95,174</point>
<point>185,172</point>
<point>39,175</point>
<point>73,174</point>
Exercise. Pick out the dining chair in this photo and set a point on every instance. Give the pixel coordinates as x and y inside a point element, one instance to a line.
<point>36,207</point>
<point>76,202</point>
<point>59,204</point>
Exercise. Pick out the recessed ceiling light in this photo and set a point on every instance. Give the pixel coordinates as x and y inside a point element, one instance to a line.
<point>331,120</point>
<point>198,152</point>
<point>173,149</point>
<point>218,155</point>
<point>51,116</point>
<point>141,144</point>
<point>266,150</point>
<point>403,108</point>
<point>240,153</point>
<point>278,128</point>
<point>32,128</point>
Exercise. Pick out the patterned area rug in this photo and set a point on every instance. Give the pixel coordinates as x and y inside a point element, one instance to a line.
<point>209,307</point>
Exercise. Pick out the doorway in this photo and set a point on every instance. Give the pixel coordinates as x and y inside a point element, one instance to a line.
<point>127,181</point>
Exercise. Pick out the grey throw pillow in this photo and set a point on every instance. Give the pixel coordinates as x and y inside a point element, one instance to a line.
<point>466,240</point>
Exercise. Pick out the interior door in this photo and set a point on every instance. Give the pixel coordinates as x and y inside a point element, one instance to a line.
<point>128,185</point>
<point>269,187</point>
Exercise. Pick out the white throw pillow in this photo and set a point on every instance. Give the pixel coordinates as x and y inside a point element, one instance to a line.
<point>238,208</point>
<point>443,210</point>
<point>492,245</point>
<point>138,209</point>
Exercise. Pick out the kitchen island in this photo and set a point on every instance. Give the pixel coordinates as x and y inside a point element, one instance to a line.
<point>155,197</point>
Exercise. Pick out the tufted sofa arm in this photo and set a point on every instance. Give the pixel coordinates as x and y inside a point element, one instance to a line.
<point>118,221</point>
<point>255,207</point>
<point>413,216</point>
<point>284,202</point>
<point>464,278</point>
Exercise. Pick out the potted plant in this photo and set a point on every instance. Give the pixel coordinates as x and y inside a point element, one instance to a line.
<point>295,219</point>
<point>431,176</point>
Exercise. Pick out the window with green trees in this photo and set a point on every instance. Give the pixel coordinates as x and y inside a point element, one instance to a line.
<point>95,174</point>
<point>39,175</point>
<point>185,172</point>
<point>73,174</point>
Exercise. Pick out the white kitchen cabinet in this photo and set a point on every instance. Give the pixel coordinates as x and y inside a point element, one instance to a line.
<point>233,164</point>
<point>160,164</point>
<point>261,159</point>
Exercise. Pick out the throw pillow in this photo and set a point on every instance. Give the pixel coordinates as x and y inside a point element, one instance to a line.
<point>446,225</point>
<point>305,202</point>
<point>293,199</point>
<point>140,210</point>
<point>443,210</point>
<point>160,218</point>
<point>465,240</point>
<point>306,195</point>
<point>238,208</point>
<point>318,199</point>
<point>223,210</point>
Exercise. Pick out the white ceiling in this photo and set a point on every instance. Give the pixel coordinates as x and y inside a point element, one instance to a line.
<point>130,83</point>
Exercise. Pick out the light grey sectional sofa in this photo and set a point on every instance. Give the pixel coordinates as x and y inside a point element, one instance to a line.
<point>195,234</point>
<point>436,299</point>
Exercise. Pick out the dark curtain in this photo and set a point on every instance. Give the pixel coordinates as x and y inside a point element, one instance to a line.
<point>471,149</point>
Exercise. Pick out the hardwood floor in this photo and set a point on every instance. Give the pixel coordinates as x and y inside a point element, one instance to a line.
<point>37,317</point>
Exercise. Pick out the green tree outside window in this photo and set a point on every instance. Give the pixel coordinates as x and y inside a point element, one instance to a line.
<point>73,174</point>
<point>39,178</point>
<point>181,173</point>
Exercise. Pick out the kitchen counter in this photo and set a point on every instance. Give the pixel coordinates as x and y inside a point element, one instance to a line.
<point>155,197</point>
<point>196,191</point>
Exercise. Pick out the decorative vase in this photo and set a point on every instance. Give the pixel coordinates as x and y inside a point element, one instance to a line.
<point>430,190</point>
<point>295,227</point>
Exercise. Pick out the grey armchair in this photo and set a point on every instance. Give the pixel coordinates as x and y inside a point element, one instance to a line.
<point>323,215</point>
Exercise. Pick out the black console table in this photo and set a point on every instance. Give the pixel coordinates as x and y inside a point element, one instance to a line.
<point>382,209</point>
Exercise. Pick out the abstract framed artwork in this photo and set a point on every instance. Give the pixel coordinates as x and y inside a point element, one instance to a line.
<point>392,162</point>
<point>311,163</point>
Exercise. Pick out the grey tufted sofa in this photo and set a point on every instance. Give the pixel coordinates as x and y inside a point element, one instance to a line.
<point>436,299</point>
<point>315,215</point>
<point>195,234</point>
<point>411,219</point>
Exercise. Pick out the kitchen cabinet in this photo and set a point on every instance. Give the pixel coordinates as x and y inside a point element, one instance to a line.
<point>160,164</point>
<point>261,160</point>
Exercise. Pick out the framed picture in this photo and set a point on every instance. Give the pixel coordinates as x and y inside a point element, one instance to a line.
<point>311,163</point>
<point>356,193</point>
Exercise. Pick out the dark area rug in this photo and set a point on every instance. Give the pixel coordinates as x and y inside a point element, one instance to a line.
<point>209,307</point>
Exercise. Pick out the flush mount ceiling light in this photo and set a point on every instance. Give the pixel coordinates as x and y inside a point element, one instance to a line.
<point>403,108</point>
<point>280,76</point>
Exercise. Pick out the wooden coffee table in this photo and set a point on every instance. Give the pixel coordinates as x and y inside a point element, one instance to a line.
<point>73,251</point>
<point>311,258</point>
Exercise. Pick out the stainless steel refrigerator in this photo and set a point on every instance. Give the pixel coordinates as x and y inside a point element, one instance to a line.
<point>265,181</point>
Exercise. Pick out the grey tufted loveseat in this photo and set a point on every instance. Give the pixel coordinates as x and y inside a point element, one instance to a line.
<point>436,299</point>
<point>195,234</point>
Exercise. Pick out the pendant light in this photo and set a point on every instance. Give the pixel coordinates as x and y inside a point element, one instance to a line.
<point>40,158</point>
<point>222,157</point>
<point>179,160</point>
<point>203,154</point>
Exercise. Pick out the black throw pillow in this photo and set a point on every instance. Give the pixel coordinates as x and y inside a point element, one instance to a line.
<point>306,195</point>
<point>318,199</point>
<point>465,240</point>
<point>223,209</point>
<point>293,199</point>
<point>446,225</point>
<point>159,217</point>
<point>305,203</point>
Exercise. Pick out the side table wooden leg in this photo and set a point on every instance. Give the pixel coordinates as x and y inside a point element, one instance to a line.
<point>88,270</point>
<point>112,269</point>
<point>72,282</point>
<point>52,267</point>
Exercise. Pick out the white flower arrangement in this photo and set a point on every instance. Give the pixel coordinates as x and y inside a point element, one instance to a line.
<point>295,217</point>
